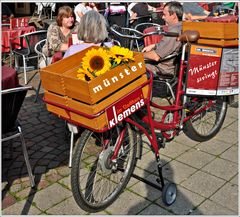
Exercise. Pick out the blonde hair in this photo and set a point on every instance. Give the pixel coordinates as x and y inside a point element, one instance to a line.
<point>92,27</point>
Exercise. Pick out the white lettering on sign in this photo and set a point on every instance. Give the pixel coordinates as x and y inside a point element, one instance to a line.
<point>117,78</point>
<point>199,68</point>
<point>207,76</point>
<point>127,112</point>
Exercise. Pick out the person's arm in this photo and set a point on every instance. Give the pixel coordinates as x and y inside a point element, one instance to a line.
<point>191,17</point>
<point>63,47</point>
<point>54,40</point>
<point>151,55</point>
<point>149,48</point>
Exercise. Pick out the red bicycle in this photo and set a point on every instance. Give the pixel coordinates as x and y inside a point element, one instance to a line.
<point>104,161</point>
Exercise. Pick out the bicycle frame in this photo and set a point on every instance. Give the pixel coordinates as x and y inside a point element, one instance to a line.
<point>176,107</point>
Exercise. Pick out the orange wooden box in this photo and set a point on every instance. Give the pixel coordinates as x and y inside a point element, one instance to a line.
<point>61,78</point>
<point>96,123</point>
<point>212,33</point>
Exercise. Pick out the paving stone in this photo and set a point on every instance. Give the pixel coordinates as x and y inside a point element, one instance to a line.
<point>208,207</point>
<point>4,184</point>
<point>15,188</point>
<point>54,177</point>
<point>231,154</point>
<point>15,171</point>
<point>234,126</point>
<point>25,193</point>
<point>38,155</point>
<point>21,208</point>
<point>53,164</point>
<point>228,121</point>
<point>185,202</point>
<point>66,207</point>
<point>148,161</point>
<point>195,158</point>
<point>43,162</point>
<point>213,146</point>
<point>17,165</point>
<point>154,209</point>
<point>146,190</point>
<point>173,149</point>
<point>227,196</point>
<point>227,135</point>
<point>8,200</point>
<point>25,184</point>
<point>127,204</point>
<point>47,149</point>
<point>54,193</point>
<point>64,170</point>
<point>203,183</point>
<point>183,139</point>
<point>234,180</point>
<point>177,172</point>
<point>66,182</point>
<point>221,168</point>
<point>40,169</point>
<point>42,184</point>
<point>139,172</point>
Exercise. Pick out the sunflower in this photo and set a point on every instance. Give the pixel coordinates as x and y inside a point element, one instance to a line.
<point>84,75</point>
<point>96,62</point>
<point>121,54</point>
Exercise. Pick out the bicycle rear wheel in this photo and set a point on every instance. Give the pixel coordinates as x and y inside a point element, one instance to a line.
<point>96,180</point>
<point>206,124</point>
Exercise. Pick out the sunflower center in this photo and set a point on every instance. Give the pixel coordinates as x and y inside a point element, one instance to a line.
<point>96,63</point>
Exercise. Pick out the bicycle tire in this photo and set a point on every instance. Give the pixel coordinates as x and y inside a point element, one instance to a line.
<point>96,181</point>
<point>207,124</point>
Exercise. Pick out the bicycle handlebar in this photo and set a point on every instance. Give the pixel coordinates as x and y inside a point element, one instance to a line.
<point>139,35</point>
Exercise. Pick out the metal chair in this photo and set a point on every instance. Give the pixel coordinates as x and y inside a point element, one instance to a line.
<point>141,27</point>
<point>26,51</point>
<point>44,60</point>
<point>12,100</point>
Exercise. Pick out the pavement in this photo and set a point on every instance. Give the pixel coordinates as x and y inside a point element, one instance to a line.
<point>206,173</point>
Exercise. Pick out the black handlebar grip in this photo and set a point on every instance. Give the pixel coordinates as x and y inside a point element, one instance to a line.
<point>171,34</point>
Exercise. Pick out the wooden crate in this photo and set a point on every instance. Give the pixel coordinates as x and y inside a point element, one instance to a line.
<point>211,33</point>
<point>99,122</point>
<point>61,78</point>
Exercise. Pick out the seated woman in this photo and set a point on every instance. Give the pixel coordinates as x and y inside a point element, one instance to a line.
<point>59,33</point>
<point>92,31</point>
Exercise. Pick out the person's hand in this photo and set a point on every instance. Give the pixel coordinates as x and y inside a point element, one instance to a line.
<point>148,48</point>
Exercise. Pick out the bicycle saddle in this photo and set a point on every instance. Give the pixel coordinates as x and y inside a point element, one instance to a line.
<point>189,36</point>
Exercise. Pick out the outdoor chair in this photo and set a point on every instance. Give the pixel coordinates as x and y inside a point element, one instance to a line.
<point>141,27</point>
<point>12,100</point>
<point>45,61</point>
<point>26,51</point>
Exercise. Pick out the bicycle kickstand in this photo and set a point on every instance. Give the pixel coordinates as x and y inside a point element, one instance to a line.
<point>160,180</point>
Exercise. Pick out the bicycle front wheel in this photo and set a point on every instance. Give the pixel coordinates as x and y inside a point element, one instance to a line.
<point>206,124</point>
<point>97,180</point>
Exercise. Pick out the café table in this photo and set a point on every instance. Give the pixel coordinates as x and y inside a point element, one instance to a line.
<point>8,34</point>
<point>9,77</point>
